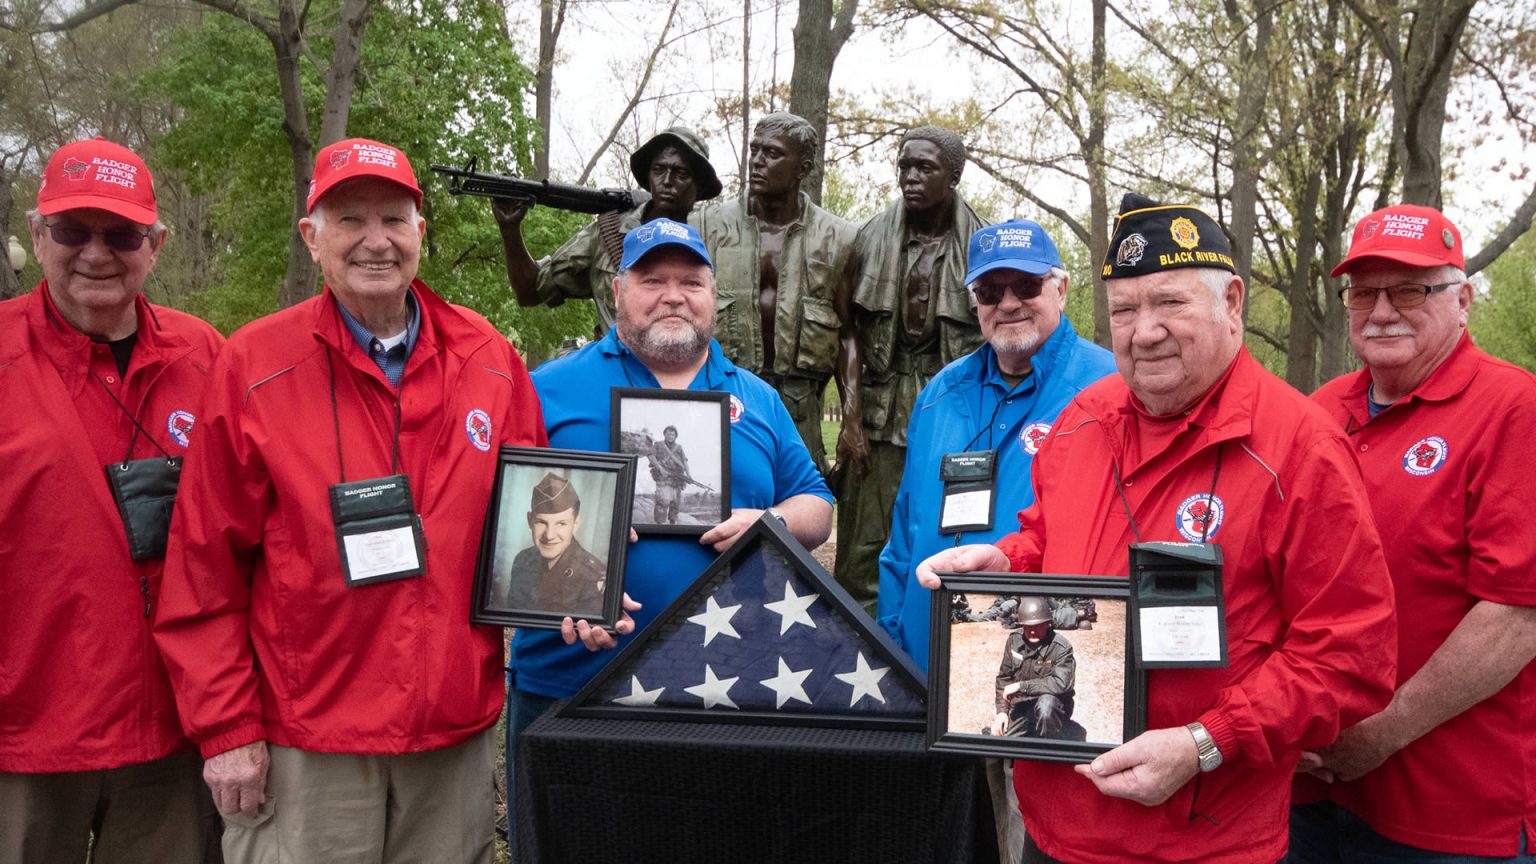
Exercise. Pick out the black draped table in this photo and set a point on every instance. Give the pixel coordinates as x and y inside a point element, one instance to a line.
<point>662,791</point>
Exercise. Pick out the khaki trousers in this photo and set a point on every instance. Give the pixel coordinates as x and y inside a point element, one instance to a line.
<point>343,808</point>
<point>157,811</point>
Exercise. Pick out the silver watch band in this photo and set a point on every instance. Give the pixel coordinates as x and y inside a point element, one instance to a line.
<point>1205,747</point>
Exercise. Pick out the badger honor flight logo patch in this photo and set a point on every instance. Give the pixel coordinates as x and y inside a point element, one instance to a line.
<point>179,426</point>
<point>1200,516</point>
<point>1032,436</point>
<point>1184,233</point>
<point>477,424</point>
<point>1426,456</point>
<point>737,409</point>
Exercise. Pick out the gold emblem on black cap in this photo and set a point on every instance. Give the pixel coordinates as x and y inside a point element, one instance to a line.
<point>1184,233</point>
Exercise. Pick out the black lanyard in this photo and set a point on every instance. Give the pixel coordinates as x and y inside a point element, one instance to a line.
<point>137,427</point>
<point>341,466</point>
<point>1125,502</point>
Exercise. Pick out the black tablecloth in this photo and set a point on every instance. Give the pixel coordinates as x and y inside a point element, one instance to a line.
<point>626,790</point>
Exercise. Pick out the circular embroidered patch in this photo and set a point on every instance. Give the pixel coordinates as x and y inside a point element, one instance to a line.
<point>1425,456</point>
<point>738,410</point>
<point>478,425</point>
<point>1199,514</point>
<point>179,426</point>
<point>1032,436</point>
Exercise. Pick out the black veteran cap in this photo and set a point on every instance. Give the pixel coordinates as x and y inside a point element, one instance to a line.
<point>554,495</point>
<point>1150,237</point>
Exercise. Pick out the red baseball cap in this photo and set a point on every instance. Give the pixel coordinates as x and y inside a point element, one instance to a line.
<point>99,175</point>
<point>359,157</point>
<point>1405,234</point>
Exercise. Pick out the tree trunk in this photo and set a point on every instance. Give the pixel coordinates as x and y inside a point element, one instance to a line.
<point>1301,347</point>
<point>299,278</point>
<point>1098,186</point>
<point>1252,89</point>
<point>820,33</point>
<point>551,18</point>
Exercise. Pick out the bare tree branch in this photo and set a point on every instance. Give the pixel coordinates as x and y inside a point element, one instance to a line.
<point>1066,218</point>
<point>634,99</point>
<point>1518,225</point>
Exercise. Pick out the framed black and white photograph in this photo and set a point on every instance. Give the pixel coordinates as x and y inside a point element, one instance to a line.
<point>683,443</point>
<point>555,538</point>
<point>1032,666</point>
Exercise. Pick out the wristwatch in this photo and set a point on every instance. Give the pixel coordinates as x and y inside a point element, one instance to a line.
<point>777,515</point>
<point>1205,747</point>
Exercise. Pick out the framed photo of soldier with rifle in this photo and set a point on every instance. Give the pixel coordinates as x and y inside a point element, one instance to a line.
<point>683,442</point>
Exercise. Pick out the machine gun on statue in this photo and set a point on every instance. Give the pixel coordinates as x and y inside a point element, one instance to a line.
<point>561,196</point>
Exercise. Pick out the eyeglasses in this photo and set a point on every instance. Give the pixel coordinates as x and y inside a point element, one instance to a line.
<point>1404,296</point>
<point>1023,288</point>
<point>117,239</point>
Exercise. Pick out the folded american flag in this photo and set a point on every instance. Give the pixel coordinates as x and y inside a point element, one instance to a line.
<point>764,635</point>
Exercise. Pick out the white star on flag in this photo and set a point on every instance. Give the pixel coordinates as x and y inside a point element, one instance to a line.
<point>638,695</point>
<point>716,620</point>
<point>788,685</point>
<point>714,691</point>
<point>793,609</point>
<point>864,681</point>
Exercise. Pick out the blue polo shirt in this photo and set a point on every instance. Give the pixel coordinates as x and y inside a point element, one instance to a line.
<point>769,463</point>
<point>968,406</point>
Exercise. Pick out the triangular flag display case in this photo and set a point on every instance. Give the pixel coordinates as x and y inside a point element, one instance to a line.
<point>765,636</point>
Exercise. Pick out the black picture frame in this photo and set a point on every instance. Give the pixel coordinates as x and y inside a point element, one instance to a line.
<point>848,646</point>
<point>1108,705</point>
<point>504,592</point>
<point>640,417</point>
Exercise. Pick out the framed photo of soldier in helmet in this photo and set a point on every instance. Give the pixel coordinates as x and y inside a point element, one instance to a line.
<point>554,541</point>
<point>683,443</point>
<point>1032,666</point>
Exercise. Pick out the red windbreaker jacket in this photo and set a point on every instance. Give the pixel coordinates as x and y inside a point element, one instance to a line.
<point>262,637</point>
<point>1310,619</point>
<point>82,687</point>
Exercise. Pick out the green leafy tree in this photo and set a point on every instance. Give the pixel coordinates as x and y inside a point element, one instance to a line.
<point>1504,322</point>
<point>437,79</point>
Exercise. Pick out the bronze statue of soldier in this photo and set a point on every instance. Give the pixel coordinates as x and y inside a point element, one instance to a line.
<point>778,260</point>
<point>906,313</point>
<point>673,167</point>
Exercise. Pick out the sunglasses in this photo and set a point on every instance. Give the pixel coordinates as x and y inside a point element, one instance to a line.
<point>1023,288</point>
<point>116,239</point>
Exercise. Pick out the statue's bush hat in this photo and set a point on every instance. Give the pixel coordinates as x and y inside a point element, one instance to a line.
<point>1150,237</point>
<point>693,147</point>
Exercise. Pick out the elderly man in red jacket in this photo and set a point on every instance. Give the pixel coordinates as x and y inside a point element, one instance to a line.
<point>92,376</point>
<point>316,611</point>
<point>1195,442</point>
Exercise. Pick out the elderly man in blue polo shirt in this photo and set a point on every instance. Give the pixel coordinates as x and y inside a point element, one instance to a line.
<point>665,305</point>
<point>976,427</point>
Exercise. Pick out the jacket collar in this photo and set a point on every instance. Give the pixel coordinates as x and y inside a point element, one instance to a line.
<point>69,350</point>
<point>442,328</point>
<point>1447,380</point>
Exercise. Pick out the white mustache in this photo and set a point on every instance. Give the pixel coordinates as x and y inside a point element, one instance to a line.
<point>1371,331</point>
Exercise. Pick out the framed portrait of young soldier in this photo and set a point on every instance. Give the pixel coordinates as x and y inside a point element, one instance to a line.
<point>682,441</point>
<point>555,536</point>
<point>1030,666</point>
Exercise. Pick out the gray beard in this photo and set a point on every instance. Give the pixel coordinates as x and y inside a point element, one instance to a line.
<point>1016,344</point>
<point>666,349</point>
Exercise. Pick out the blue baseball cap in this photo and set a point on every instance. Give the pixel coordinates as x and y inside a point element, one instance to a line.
<point>655,234</point>
<point>1017,244</point>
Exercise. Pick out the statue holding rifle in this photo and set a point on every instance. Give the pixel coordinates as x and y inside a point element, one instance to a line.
<point>673,167</point>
